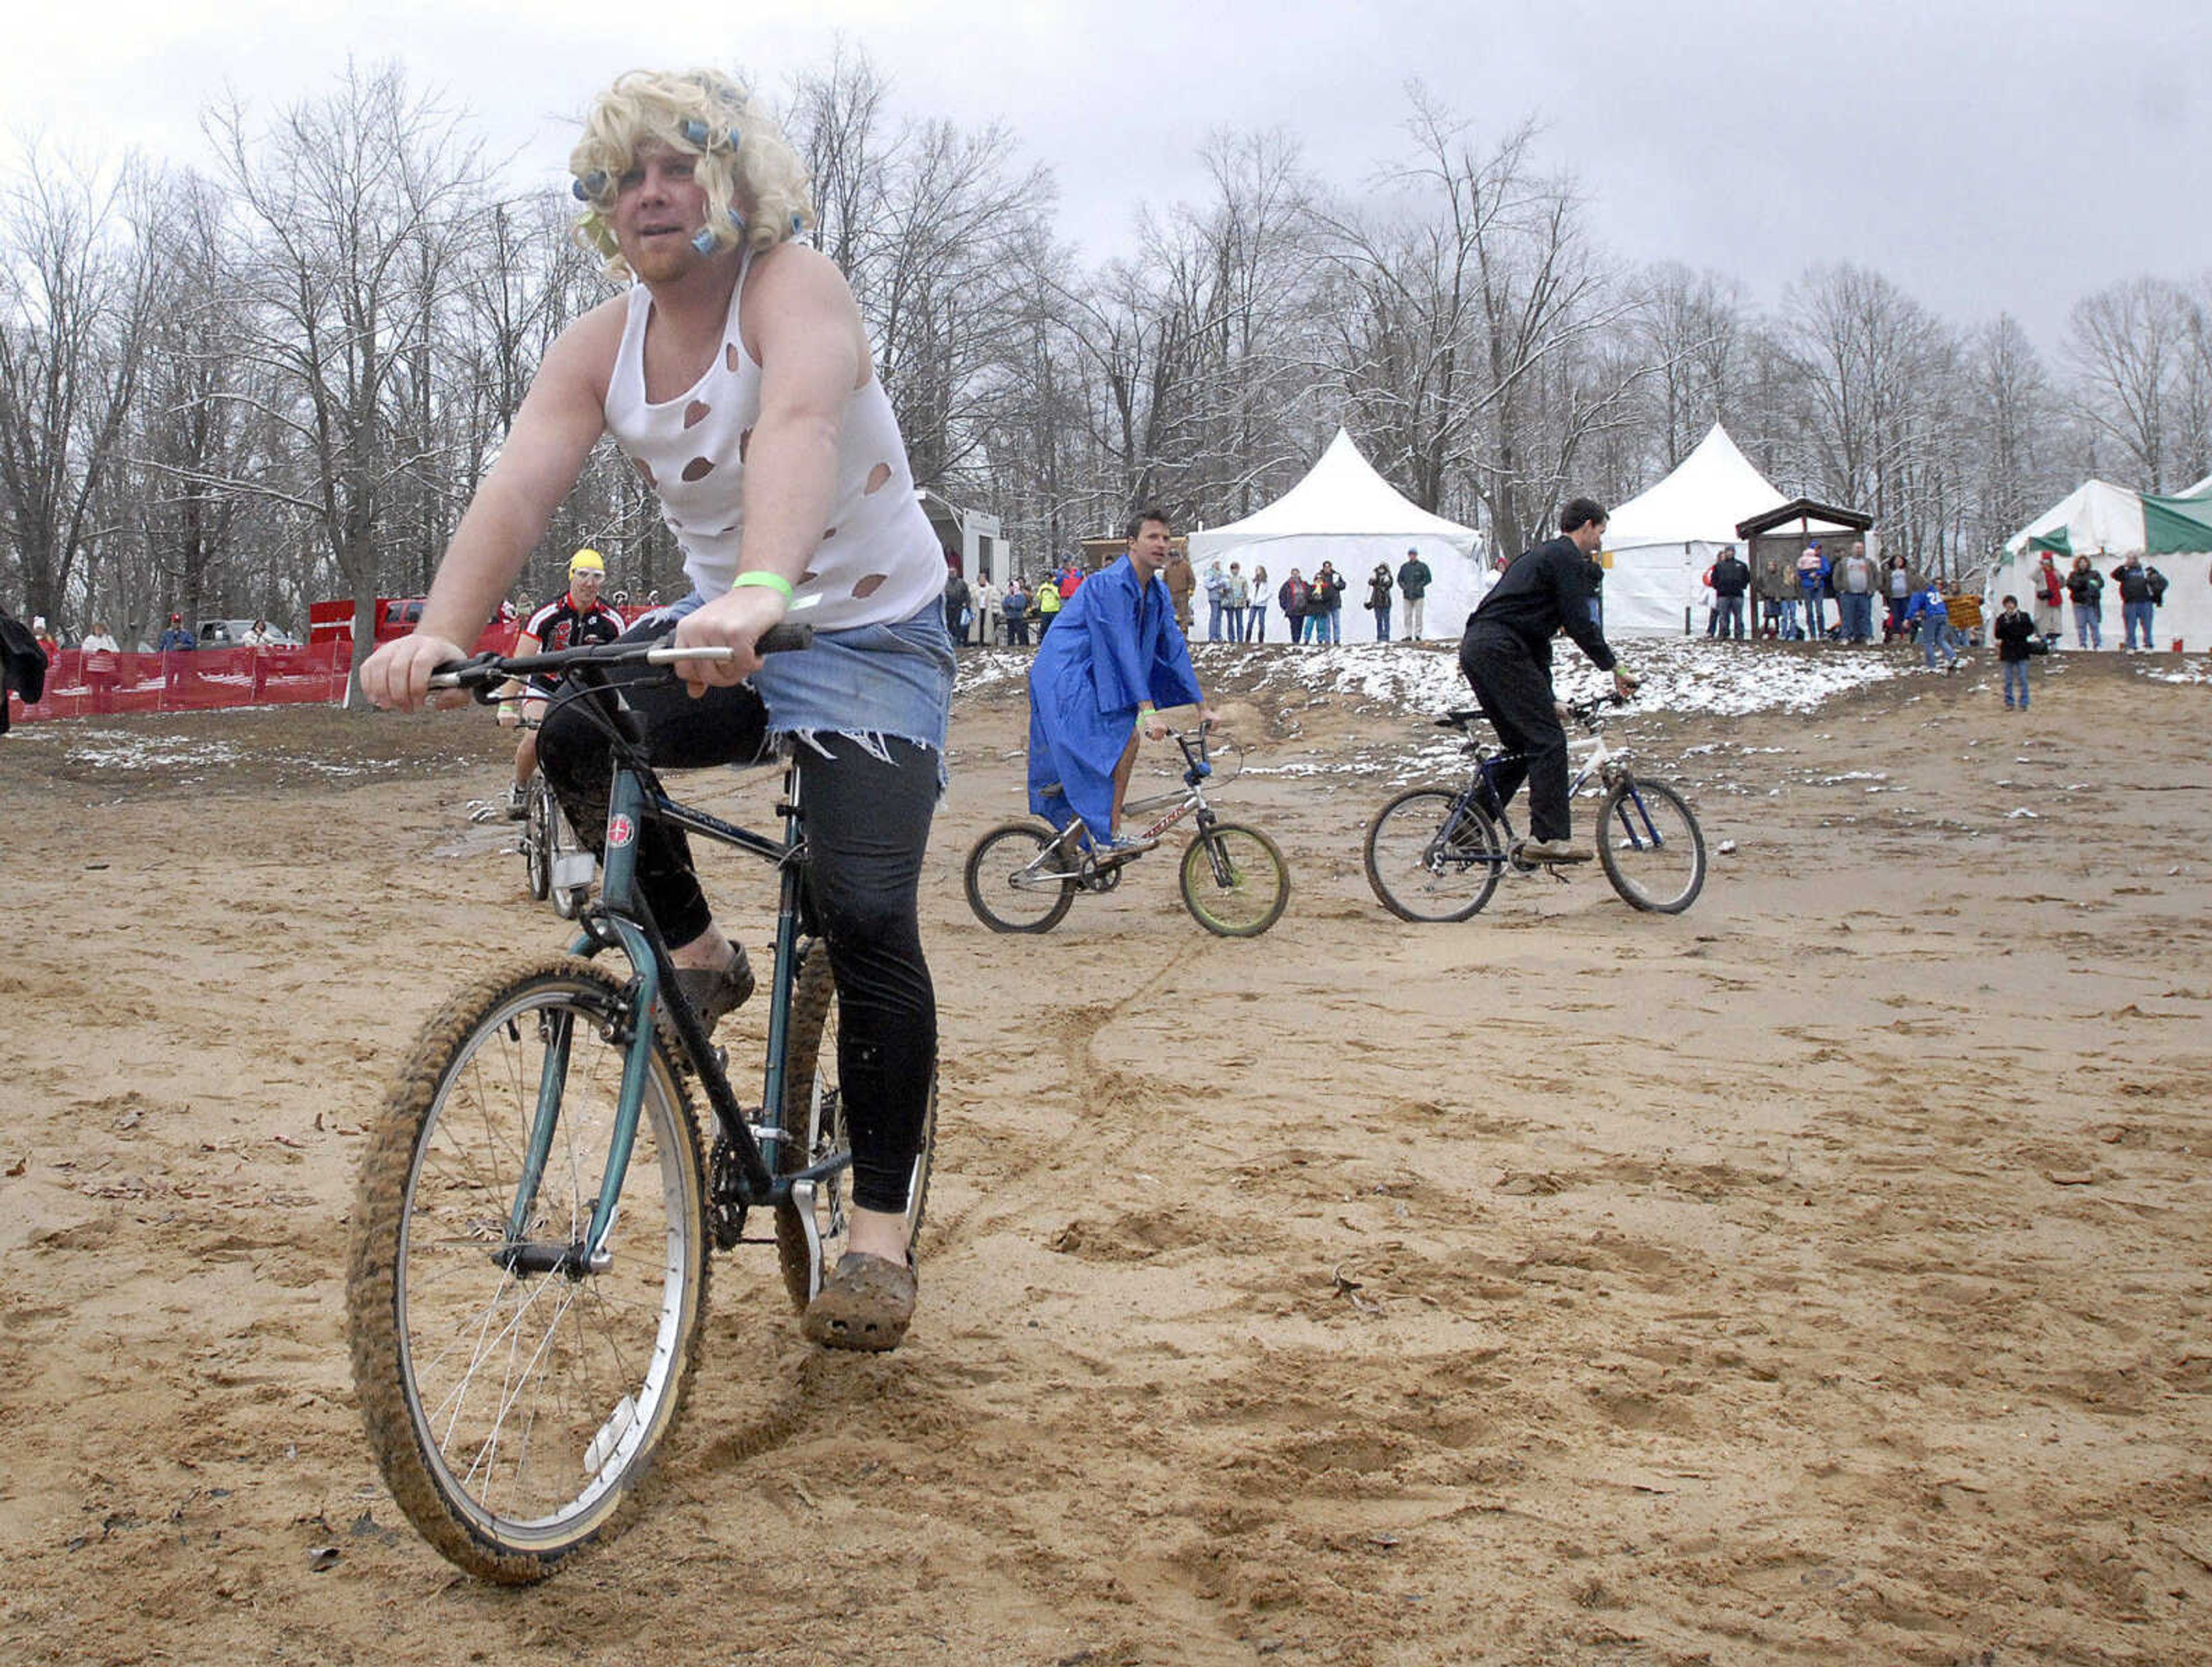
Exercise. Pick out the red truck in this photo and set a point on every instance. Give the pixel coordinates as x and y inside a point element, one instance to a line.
<point>396,615</point>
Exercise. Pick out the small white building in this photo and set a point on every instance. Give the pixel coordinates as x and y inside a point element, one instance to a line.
<point>969,537</point>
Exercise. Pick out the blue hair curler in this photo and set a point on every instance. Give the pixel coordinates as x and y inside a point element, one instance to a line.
<point>797,224</point>
<point>703,239</point>
<point>588,186</point>
<point>693,131</point>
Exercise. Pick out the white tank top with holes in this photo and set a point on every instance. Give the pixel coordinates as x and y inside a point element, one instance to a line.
<point>877,561</point>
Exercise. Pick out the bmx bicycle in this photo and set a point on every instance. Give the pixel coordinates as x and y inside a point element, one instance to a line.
<point>1436,852</point>
<point>527,1276</point>
<point>1025,876</point>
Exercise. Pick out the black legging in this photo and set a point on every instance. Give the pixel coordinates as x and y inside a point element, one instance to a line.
<point>1514,684</point>
<point>867,824</point>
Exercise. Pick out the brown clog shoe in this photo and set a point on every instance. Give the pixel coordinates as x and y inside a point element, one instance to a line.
<point>867,1303</point>
<point>713,991</point>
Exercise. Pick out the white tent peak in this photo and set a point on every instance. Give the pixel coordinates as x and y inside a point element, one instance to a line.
<point>2096,515</point>
<point>1700,503</point>
<point>1342,493</point>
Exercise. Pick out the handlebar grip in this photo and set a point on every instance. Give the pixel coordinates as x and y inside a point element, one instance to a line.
<point>454,673</point>
<point>784,638</point>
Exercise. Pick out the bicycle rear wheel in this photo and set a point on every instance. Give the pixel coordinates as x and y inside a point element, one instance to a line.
<point>538,825</point>
<point>1651,847</point>
<point>514,1413</point>
<point>1007,885</point>
<point>1430,858</point>
<point>814,1125</point>
<point>1234,880</point>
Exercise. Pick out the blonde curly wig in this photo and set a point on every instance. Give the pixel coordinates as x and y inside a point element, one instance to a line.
<point>744,158</point>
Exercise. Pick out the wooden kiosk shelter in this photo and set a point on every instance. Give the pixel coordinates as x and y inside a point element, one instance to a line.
<point>1775,539</point>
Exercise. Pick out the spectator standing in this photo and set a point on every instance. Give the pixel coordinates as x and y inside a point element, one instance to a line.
<point>987,612</point>
<point>1812,583</point>
<point>102,665</point>
<point>1255,612</point>
<point>1379,585</point>
<point>256,642</point>
<point>1071,581</point>
<point>1730,579</point>
<point>957,606</point>
<point>1855,578</point>
<point>1292,598</point>
<point>1414,581</point>
<point>1014,608</point>
<point>172,645</point>
<point>2142,589</point>
<point>1927,610</point>
<point>2012,630</point>
<point>2085,586</point>
<point>43,638</point>
<point>1182,584</point>
<point>1217,600</point>
<point>1326,605</point>
<point>1897,589</point>
<point>2048,587</point>
<point>1046,605</point>
<point>1240,600</point>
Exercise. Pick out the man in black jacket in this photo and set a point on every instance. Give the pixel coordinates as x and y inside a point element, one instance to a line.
<point>1730,580</point>
<point>1506,655</point>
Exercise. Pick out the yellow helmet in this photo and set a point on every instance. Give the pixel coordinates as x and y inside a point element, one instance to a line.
<point>587,561</point>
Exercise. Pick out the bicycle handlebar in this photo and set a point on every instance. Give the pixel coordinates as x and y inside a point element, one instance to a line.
<point>483,675</point>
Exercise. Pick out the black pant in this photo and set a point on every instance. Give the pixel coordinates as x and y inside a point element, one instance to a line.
<point>867,824</point>
<point>1514,684</point>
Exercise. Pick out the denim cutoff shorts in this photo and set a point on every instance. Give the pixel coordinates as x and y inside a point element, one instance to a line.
<point>870,682</point>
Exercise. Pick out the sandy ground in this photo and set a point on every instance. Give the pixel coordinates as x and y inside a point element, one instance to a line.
<point>1821,1275</point>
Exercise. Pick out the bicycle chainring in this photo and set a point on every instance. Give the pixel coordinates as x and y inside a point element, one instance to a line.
<point>725,1216</point>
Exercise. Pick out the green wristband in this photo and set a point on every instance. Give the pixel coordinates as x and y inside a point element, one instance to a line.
<point>765,580</point>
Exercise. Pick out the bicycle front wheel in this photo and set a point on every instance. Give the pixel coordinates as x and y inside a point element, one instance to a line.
<point>1010,884</point>
<point>814,1131</point>
<point>1234,880</point>
<point>1430,858</point>
<point>514,1411</point>
<point>538,827</point>
<point>1653,851</point>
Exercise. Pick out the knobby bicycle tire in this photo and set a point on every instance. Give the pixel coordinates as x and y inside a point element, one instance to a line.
<point>538,825</point>
<point>1430,859</point>
<point>997,857</point>
<point>1234,880</point>
<point>1650,845</point>
<point>515,1416</point>
<point>813,1124</point>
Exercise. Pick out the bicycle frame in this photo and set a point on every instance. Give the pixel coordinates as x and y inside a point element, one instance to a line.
<point>1598,768</point>
<point>621,921</point>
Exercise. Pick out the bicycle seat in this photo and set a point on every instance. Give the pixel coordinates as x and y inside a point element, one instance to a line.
<point>1461,719</point>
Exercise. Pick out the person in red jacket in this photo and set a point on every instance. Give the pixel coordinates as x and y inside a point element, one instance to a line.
<point>2047,586</point>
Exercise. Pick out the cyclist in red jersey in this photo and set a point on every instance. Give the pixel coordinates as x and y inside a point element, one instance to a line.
<point>576,619</point>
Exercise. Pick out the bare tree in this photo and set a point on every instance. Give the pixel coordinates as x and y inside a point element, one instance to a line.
<point>355,203</point>
<point>2130,344</point>
<point>74,298</point>
<point>1478,287</point>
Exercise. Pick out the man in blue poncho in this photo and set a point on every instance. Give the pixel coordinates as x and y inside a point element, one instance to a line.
<point>1113,657</point>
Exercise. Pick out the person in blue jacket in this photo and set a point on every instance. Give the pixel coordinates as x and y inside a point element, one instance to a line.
<point>1929,613</point>
<point>1112,658</point>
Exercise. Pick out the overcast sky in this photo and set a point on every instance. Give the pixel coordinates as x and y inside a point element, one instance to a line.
<point>1987,157</point>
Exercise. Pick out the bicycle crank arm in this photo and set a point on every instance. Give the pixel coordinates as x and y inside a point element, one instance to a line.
<point>802,1204</point>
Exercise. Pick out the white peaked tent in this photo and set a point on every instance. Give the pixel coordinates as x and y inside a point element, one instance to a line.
<point>1345,514</point>
<point>1659,543</point>
<point>2106,523</point>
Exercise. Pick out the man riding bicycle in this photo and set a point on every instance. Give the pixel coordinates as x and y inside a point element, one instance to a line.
<point>1506,656</point>
<point>576,619</point>
<point>735,374</point>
